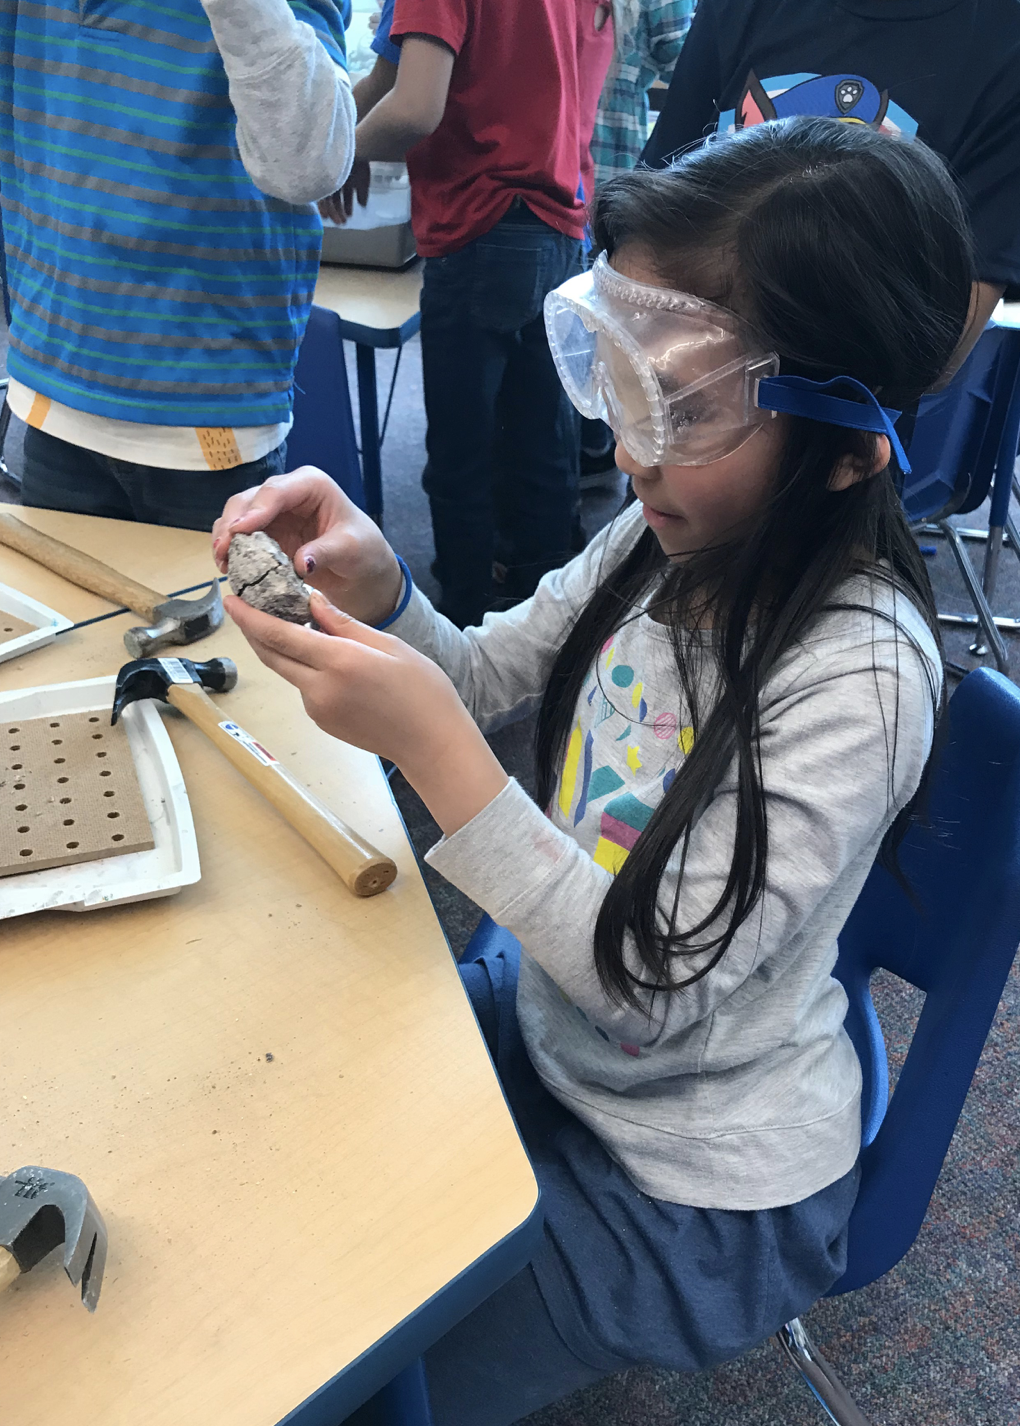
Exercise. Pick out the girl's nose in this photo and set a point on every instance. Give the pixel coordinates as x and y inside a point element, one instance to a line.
<point>631,467</point>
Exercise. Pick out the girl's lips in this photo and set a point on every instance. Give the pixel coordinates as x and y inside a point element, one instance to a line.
<point>658,519</point>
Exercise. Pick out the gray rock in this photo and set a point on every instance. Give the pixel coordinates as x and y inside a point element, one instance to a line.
<point>262,575</point>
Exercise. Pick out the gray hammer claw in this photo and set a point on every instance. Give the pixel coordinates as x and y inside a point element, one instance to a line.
<point>42,1208</point>
<point>177,621</point>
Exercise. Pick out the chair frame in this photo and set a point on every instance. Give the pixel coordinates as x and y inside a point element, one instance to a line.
<point>951,1032</point>
<point>1001,525</point>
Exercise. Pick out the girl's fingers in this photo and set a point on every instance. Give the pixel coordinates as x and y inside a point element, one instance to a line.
<point>295,673</point>
<point>291,641</point>
<point>339,625</point>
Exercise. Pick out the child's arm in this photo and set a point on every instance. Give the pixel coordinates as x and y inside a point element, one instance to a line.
<point>500,671</point>
<point>295,112</point>
<point>826,746</point>
<point>413,107</point>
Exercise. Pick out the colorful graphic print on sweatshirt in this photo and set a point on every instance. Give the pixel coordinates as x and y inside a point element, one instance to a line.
<point>628,740</point>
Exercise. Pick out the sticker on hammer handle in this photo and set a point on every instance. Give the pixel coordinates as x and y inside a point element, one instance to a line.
<point>246,740</point>
<point>175,671</point>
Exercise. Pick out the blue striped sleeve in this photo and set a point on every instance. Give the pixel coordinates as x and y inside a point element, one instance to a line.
<point>330,22</point>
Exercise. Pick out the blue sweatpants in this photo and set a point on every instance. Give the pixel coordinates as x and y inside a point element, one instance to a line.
<point>620,1279</point>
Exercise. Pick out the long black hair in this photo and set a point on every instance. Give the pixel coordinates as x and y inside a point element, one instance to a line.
<point>849,252</point>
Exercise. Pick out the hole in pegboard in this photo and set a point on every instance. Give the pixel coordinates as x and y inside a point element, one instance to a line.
<point>55,756</point>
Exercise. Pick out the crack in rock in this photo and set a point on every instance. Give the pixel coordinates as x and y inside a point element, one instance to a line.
<point>262,575</point>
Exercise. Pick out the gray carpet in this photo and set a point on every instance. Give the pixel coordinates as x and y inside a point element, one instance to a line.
<point>934,1342</point>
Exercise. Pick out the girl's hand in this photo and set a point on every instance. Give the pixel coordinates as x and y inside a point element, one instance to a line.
<point>335,547</point>
<point>372,690</point>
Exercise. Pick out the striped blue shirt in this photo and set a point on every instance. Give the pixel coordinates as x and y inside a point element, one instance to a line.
<point>150,280</point>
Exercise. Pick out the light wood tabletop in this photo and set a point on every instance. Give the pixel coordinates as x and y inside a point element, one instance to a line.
<point>368,297</point>
<point>276,1092</point>
<point>165,559</point>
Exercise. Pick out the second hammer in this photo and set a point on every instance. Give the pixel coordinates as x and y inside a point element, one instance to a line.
<point>182,684</point>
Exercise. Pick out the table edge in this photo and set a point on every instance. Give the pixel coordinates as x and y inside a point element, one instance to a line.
<point>380,1363</point>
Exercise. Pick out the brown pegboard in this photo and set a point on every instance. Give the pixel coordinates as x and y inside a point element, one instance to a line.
<point>68,793</point>
<point>12,628</point>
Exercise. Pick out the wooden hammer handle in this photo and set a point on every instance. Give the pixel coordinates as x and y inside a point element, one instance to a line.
<point>365,870</point>
<point>79,568</point>
<point>9,1269</point>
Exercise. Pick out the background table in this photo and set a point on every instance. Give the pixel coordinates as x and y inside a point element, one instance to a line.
<point>275,1224</point>
<point>376,309</point>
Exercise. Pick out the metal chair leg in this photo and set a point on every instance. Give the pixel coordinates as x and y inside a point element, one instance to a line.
<point>5,421</point>
<point>986,618</point>
<point>836,1401</point>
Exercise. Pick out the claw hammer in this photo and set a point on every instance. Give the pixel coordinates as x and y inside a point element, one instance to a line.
<point>182,684</point>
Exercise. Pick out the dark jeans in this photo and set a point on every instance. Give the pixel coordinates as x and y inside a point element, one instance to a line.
<point>61,476</point>
<point>503,439</point>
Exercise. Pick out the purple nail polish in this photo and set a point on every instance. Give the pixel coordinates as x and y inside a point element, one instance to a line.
<point>309,564</point>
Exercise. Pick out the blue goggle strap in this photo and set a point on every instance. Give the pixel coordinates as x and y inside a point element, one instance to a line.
<point>800,396</point>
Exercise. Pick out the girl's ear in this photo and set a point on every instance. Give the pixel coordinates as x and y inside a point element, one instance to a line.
<point>850,469</point>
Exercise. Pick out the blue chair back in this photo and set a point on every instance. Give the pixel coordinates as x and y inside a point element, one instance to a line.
<point>323,431</point>
<point>955,441</point>
<point>955,941</point>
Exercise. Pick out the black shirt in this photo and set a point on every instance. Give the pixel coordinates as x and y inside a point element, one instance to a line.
<point>944,71</point>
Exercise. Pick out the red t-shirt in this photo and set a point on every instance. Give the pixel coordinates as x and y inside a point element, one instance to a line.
<point>519,117</point>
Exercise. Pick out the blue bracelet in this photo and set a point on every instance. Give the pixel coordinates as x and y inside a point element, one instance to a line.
<point>405,598</point>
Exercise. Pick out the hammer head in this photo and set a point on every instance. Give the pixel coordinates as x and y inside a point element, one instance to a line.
<point>39,1210</point>
<point>178,621</point>
<point>152,678</point>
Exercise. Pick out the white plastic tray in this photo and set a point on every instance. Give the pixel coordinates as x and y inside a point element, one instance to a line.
<point>48,623</point>
<point>136,876</point>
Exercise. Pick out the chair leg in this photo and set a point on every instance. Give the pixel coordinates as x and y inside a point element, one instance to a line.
<point>986,618</point>
<point>836,1401</point>
<point>5,421</point>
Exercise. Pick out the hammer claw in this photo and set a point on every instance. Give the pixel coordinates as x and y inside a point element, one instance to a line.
<point>42,1208</point>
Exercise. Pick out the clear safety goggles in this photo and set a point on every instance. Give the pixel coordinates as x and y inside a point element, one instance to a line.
<point>682,381</point>
<point>676,377</point>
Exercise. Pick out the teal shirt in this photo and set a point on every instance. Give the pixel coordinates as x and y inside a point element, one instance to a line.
<point>649,37</point>
<point>150,280</point>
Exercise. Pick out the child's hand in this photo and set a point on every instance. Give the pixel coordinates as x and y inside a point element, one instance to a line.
<point>335,546</point>
<point>372,690</point>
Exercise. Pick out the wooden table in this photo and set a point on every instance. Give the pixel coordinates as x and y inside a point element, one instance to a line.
<point>276,1092</point>
<point>376,309</point>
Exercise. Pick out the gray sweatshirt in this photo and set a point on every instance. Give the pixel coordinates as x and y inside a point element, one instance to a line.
<point>295,111</point>
<point>743,1090</point>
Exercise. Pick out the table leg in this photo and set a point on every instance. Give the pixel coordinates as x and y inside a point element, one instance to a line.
<point>368,406</point>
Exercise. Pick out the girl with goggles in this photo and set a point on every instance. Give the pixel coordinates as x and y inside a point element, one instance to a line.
<point>737,685</point>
